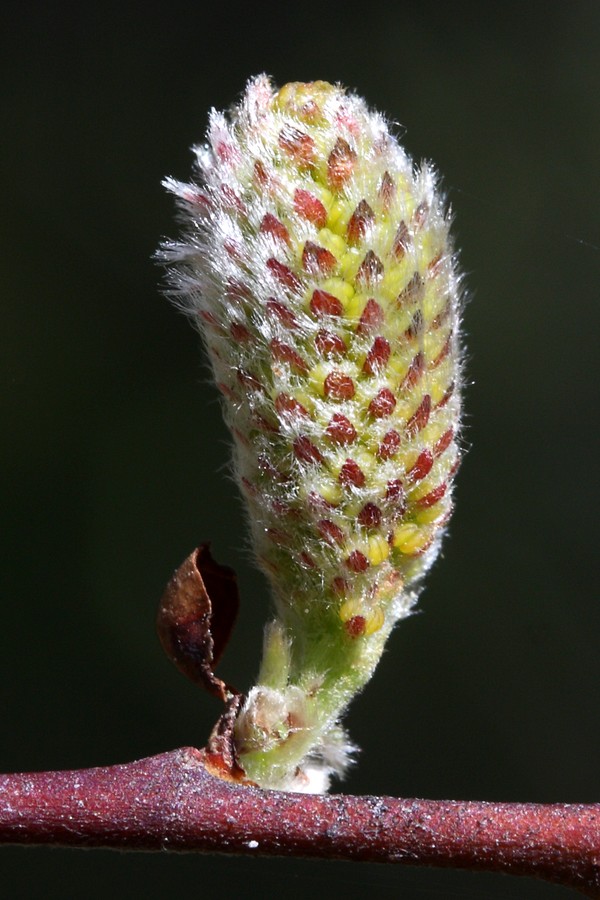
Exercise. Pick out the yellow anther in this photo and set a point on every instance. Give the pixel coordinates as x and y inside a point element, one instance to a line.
<point>366,463</point>
<point>374,621</point>
<point>434,301</point>
<point>336,218</point>
<point>330,491</point>
<point>433,431</point>
<point>404,409</point>
<point>304,398</point>
<point>378,549</point>
<point>426,485</point>
<point>326,197</point>
<point>333,242</point>
<point>355,307</point>
<point>433,343</point>
<point>428,245</point>
<point>395,278</point>
<point>433,513</point>
<point>439,380</point>
<point>409,538</point>
<point>366,460</point>
<point>350,608</point>
<point>350,261</point>
<point>316,378</point>
<point>339,288</point>
<point>397,367</point>
<point>293,97</point>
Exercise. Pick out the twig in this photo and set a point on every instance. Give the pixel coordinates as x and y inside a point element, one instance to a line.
<point>173,802</point>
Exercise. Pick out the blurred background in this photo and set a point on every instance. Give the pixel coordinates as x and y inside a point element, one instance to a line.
<point>113,462</point>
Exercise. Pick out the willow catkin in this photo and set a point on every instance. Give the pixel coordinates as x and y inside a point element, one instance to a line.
<point>316,262</point>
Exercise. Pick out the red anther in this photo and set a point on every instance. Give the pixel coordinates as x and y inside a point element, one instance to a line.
<point>328,343</point>
<point>324,304</point>
<point>297,144</point>
<point>420,214</point>
<point>234,250</point>
<point>264,424</point>
<point>226,391</point>
<point>310,111</point>
<point>307,560</point>
<point>289,406</point>
<point>442,316</point>
<point>361,220</point>
<point>455,467</point>
<point>443,352</point>
<point>227,153</point>
<point>339,586</point>
<point>413,292</point>
<point>248,380</point>
<point>401,241</point>
<point>231,199</point>
<point>357,562</point>
<point>346,120</point>
<point>285,315</point>
<point>271,225</point>
<point>370,270</point>
<point>446,397</point>
<point>250,488</point>
<point>317,260</point>
<point>283,274</point>
<point>237,290</point>
<point>198,198</point>
<point>389,445</point>
<point>383,404</point>
<point>371,318</point>
<point>284,353</point>
<point>339,386</point>
<point>310,208</point>
<point>305,450</point>
<point>422,466</point>
<point>394,490</point>
<point>443,443</point>
<point>340,164</point>
<point>261,176</point>
<point>369,516</point>
<point>265,467</point>
<point>351,474</point>
<point>415,329</point>
<point>278,537</point>
<point>420,418</point>
<point>330,532</point>
<point>386,191</point>
<point>318,503</point>
<point>415,371</point>
<point>377,357</point>
<point>210,319</point>
<point>340,430</point>
<point>436,265</point>
<point>432,497</point>
<point>356,626</point>
<point>240,333</point>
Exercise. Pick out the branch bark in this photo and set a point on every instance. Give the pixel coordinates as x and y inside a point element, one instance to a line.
<point>174,802</point>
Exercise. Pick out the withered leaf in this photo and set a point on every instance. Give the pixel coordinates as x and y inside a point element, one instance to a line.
<point>196,616</point>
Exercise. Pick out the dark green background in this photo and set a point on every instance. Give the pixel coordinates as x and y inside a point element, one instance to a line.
<point>113,460</point>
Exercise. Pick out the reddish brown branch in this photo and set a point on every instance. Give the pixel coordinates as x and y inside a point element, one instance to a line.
<point>173,802</point>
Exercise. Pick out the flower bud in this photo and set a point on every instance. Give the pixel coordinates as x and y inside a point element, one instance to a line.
<point>317,264</point>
